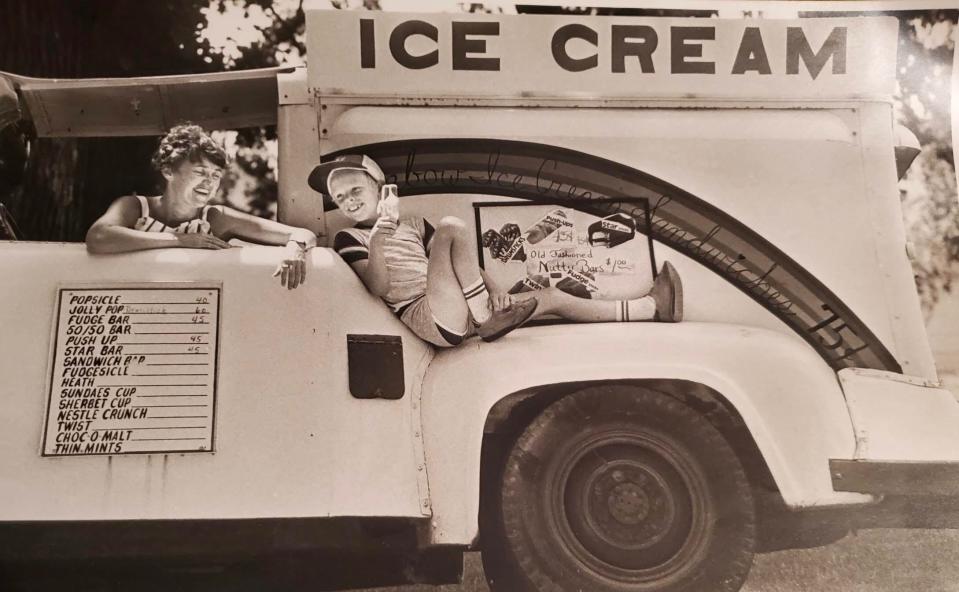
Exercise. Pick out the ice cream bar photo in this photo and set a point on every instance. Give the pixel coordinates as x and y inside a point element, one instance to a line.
<point>547,226</point>
<point>530,283</point>
<point>612,230</point>
<point>503,245</point>
<point>389,204</point>
<point>574,286</point>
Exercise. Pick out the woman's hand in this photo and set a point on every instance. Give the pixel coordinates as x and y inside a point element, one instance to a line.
<point>500,300</point>
<point>197,240</point>
<point>292,270</point>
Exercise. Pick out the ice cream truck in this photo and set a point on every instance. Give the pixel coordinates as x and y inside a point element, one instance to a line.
<point>175,414</point>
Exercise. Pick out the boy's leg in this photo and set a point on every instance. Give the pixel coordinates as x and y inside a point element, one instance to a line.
<point>663,303</point>
<point>557,302</point>
<point>455,289</point>
<point>451,268</point>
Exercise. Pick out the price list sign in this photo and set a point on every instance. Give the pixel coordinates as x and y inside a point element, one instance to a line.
<point>134,371</point>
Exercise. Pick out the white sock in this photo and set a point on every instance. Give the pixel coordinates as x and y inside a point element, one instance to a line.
<point>477,299</point>
<point>640,309</point>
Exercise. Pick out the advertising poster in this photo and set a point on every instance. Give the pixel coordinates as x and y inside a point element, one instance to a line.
<point>530,247</point>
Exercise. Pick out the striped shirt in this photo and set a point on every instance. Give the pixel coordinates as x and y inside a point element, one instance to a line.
<point>147,223</point>
<point>406,254</point>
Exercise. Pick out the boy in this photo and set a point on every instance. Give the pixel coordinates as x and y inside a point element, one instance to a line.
<point>431,277</point>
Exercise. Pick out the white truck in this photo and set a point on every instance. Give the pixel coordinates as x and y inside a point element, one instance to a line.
<point>175,411</point>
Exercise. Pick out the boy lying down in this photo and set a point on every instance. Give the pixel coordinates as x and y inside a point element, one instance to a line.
<point>430,275</point>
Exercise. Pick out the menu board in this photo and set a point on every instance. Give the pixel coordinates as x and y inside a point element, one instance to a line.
<point>133,371</point>
<point>526,247</point>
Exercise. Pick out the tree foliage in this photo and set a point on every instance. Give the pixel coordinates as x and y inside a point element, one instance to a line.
<point>63,184</point>
<point>281,40</point>
<point>930,204</point>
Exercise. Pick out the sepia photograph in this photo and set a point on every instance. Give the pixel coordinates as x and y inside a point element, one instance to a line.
<point>414,295</point>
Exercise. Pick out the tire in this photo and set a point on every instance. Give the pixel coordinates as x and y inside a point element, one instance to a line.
<point>617,488</point>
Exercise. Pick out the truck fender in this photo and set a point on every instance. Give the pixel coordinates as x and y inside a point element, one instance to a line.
<point>788,397</point>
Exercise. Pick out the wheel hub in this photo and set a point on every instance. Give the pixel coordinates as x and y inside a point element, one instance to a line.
<point>629,506</point>
<point>628,503</point>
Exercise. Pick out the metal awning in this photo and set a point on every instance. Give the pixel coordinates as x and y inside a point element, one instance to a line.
<point>144,106</point>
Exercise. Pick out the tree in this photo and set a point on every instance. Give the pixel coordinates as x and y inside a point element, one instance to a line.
<point>280,39</point>
<point>930,203</point>
<point>66,183</point>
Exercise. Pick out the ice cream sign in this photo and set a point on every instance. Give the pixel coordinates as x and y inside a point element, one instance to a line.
<point>530,247</point>
<point>133,369</point>
<point>583,57</point>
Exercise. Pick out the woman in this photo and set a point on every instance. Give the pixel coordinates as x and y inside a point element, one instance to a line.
<point>192,164</point>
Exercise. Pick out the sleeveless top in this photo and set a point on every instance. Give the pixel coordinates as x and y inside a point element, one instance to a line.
<point>147,223</point>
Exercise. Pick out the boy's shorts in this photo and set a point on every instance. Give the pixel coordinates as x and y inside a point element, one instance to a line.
<point>419,318</point>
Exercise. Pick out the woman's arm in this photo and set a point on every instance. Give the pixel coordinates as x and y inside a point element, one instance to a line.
<point>113,232</point>
<point>229,223</point>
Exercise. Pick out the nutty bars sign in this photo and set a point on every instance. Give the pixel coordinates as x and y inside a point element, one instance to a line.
<point>526,56</point>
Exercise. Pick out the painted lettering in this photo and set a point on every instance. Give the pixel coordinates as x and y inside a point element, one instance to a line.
<point>797,48</point>
<point>464,43</point>
<point>561,38</point>
<point>683,46</point>
<point>367,44</point>
<point>638,41</point>
<point>752,53</point>
<point>404,31</point>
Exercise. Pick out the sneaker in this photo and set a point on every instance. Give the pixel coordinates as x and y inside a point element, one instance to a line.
<point>667,292</point>
<point>503,321</point>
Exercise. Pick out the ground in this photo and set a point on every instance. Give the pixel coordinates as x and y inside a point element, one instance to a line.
<point>875,560</point>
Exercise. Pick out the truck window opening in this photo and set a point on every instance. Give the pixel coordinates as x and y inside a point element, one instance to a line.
<point>678,219</point>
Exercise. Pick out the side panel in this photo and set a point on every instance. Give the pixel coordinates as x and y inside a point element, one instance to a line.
<point>789,398</point>
<point>901,419</point>
<point>787,175</point>
<point>889,238</point>
<point>290,440</point>
<point>299,151</point>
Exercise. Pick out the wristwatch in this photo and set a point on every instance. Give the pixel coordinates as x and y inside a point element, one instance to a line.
<point>302,244</point>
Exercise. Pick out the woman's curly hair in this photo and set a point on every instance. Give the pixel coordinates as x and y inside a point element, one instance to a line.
<point>188,142</point>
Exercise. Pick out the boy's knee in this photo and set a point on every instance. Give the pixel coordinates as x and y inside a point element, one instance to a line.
<point>451,226</point>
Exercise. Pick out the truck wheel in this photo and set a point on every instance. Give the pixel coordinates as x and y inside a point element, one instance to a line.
<point>617,488</point>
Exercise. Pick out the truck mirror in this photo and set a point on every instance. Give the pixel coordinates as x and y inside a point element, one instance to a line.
<point>9,104</point>
<point>907,149</point>
<point>8,228</point>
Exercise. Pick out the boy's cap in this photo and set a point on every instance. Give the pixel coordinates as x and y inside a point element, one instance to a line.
<point>320,177</point>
